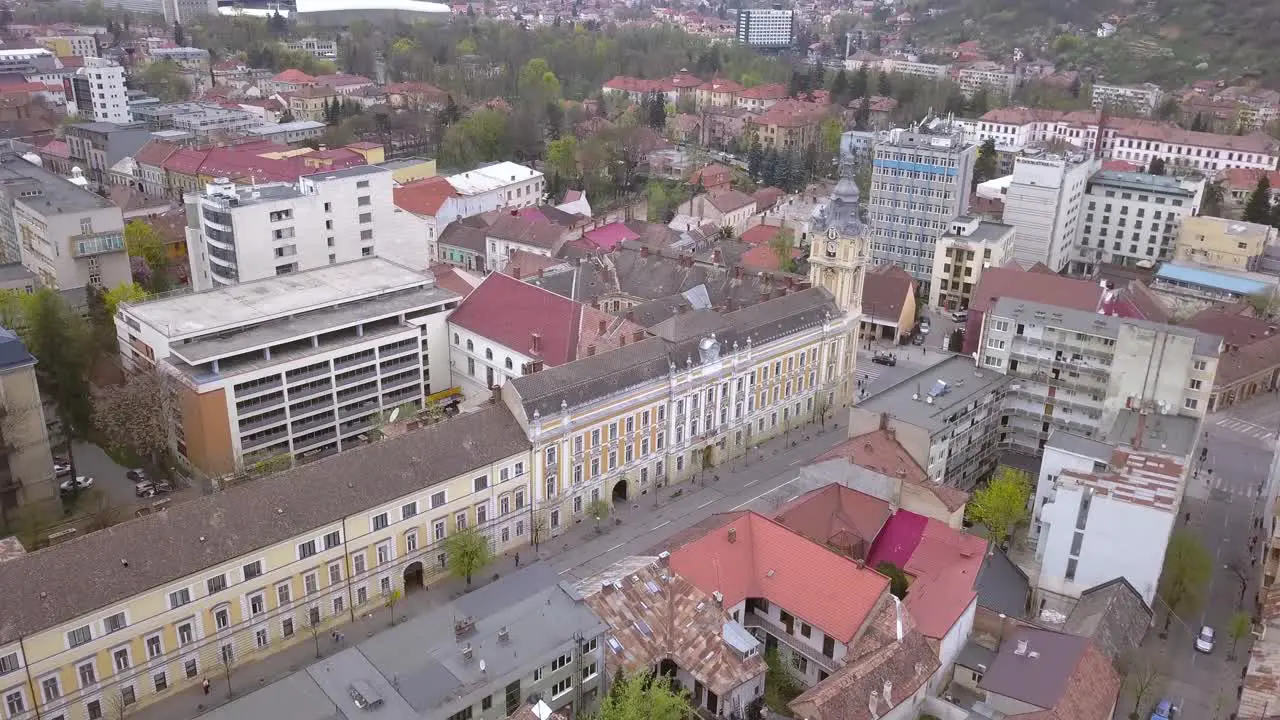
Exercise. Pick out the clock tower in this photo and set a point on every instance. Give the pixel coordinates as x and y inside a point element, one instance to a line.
<point>838,253</point>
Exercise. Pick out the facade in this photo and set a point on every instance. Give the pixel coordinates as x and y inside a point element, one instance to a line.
<point>84,46</point>
<point>1223,243</point>
<point>27,61</point>
<point>187,12</point>
<point>245,233</point>
<point>1132,218</point>
<point>947,417</point>
<point>322,48</point>
<point>920,181</point>
<point>992,77</point>
<point>1141,99</point>
<point>1043,203</point>
<point>69,236</point>
<point>766,27</point>
<point>288,133</point>
<point>1122,490</point>
<point>97,92</point>
<point>1077,370</point>
<point>960,256</point>
<point>1184,151</point>
<point>26,466</point>
<point>252,569</point>
<point>729,209</point>
<point>502,185</point>
<point>96,147</point>
<point>201,119</point>
<point>373,340</point>
<point>889,296</point>
<point>311,102</point>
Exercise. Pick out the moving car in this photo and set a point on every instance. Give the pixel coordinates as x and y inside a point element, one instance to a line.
<point>884,359</point>
<point>1204,641</point>
<point>960,315</point>
<point>138,475</point>
<point>924,326</point>
<point>917,339</point>
<point>80,483</point>
<point>1164,710</point>
<point>151,489</point>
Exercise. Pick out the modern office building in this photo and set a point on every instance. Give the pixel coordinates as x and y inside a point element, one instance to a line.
<point>1076,371</point>
<point>70,237</point>
<point>1132,218</point>
<point>238,233</point>
<point>201,119</point>
<point>97,92</point>
<point>297,366</point>
<point>968,248</point>
<point>920,181</point>
<point>947,418</point>
<point>766,27</point>
<point>1043,204</point>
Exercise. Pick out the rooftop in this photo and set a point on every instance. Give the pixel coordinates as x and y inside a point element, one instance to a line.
<point>881,452</point>
<point>491,177</point>
<point>952,384</point>
<point>1059,673</point>
<point>1094,324</point>
<point>1163,184</point>
<point>77,577</point>
<point>837,516</point>
<point>884,293</point>
<point>987,231</point>
<point>999,282</point>
<point>57,195</point>
<point>1202,277</point>
<point>186,316</point>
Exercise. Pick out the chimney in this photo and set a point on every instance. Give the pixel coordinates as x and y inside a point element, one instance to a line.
<point>622,339</point>
<point>737,272</point>
<point>535,343</point>
<point>888,692</point>
<point>638,335</point>
<point>715,256</point>
<point>644,251</point>
<point>540,273</point>
<point>516,272</point>
<point>733,535</point>
<point>591,350</point>
<point>604,326</point>
<point>514,212</point>
<point>884,421</point>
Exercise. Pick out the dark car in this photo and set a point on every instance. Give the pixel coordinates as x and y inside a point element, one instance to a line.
<point>137,475</point>
<point>151,489</point>
<point>917,339</point>
<point>884,359</point>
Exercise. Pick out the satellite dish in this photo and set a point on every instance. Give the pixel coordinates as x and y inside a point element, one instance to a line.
<point>482,665</point>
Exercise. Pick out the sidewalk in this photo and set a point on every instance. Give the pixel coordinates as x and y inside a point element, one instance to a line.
<point>628,522</point>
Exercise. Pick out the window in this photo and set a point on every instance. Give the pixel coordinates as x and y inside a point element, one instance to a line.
<point>286,627</point>
<point>309,583</point>
<point>154,647</point>
<point>1199,365</point>
<point>120,658</point>
<point>805,629</point>
<point>79,636</point>
<point>380,521</point>
<point>15,703</point>
<point>362,595</point>
<point>482,482</point>
<point>228,654</point>
<point>113,623</point>
<point>93,709</point>
<point>463,714</point>
<point>161,680</point>
<point>49,688</point>
<point>1195,384</point>
<point>383,551</point>
<point>562,687</point>
<point>221,619</point>
<point>408,510</point>
<point>357,562</point>
<point>460,520</point>
<point>284,594</point>
<point>438,499</point>
<point>8,663</point>
<point>561,661</point>
<point>411,541</point>
<point>306,549</point>
<point>191,668</point>
<point>186,635</point>
<point>589,671</point>
<point>438,530</point>
<point>254,569</point>
<point>216,584</point>
<point>332,540</point>
<point>482,514</point>
<point>486,703</point>
<point>338,605</point>
<point>1072,563</point>
<point>179,597</point>
<point>1190,403</point>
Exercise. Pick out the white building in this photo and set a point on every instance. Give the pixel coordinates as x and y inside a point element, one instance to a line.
<point>960,256</point>
<point>322,48</point>
<point>1043,203</point>
<point>1132,219</point>
<point>287,133</point>
<point>903,66</point>
<point>1139,98</point>
<point>251,232</point>
<point>97,92</point>
<point>296,366</point>
<point>990,76</point>
<point>1096,496</point>
<point>766,27</point>
<point>500,186</point>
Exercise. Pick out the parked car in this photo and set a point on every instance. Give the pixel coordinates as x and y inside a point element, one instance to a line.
<point>151,489</point>
<point>924,326</point>
<point>79,483</point>
<point>1164,710</point>
<point>960,315</point>
<point>61,468</point>
<point>917,339</point>
<point>884,359</point>
<point>1204,641</point>
<point>138,475</point>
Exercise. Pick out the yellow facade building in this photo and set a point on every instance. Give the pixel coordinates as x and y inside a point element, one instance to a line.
<point>1222,242</point>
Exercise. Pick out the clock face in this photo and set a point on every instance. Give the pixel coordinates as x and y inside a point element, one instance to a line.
<point>831,247</point>
<point>831,233</point>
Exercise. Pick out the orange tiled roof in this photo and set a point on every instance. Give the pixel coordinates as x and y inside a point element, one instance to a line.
<point>424,197</point>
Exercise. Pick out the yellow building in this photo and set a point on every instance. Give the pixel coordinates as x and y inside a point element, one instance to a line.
<point>126,616</point>
<point>1221,242</point>
<point>310,103</point>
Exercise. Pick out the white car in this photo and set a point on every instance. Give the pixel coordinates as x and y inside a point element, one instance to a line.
<point>80,483</point>
<point>1204,641</point>
<point>61,468</point>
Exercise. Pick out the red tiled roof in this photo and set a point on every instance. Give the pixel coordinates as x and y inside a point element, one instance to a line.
<point>71,61</point>
<point>342,80</point>
<point>293,75</point>
<point>424,197</point>
<point>885,291</point>
<point>56,148</point>
<point>792,113</point>
<point>943,563</point>
<point>767,197</point>
<point>185,161</point>
<point>837,516</point>
<point>878,450</point>
<point>776,91</point>
<point>753,556</point>
<point>608,237</point>
<point>712,175</point>
<point>762,257</point>
<point>1242,179</point>
<point>523,264</point>
<point>1039,287</point>
<point>449,278</point>
<point>720,85</point>
<point>729,200</point>
<point>1121,166</point>
<point>759,235</point>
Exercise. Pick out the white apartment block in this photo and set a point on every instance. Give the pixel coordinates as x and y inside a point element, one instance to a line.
<point>68,236</point>
<point>1141,98</point>
<point>960,256</point>
<point>1076,371</point>
<point>1095,496</point>
<point>98,92</point>
<point>766,27</point>
<point>902,66</point>
<point>989,76</point>
<point>320,48</point>
<point>301,365</point>
<point>1043,203</point>
<point>239,233</point>
<point>500,186</point>
<point>1132,219</point>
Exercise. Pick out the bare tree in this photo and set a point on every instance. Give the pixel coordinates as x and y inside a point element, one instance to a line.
<point>392,598</point>
<point>313,627</point>
<point>116,707</point>
<point>137,415</point>
<point>1142,678</point>
<point>227,655</point>
<point>538,527</point>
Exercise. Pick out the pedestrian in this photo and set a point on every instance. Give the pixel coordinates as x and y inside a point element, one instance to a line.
<point>517,559</point>
<point>340,637</point>
<point>1187,517</point>
<point>204,685</point>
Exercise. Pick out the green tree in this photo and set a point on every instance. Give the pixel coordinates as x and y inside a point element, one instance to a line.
<point>1156,166</point>
<point>1237,628</point>
<point>467,552</point>
<point>840,89</point>
<point>884,85</point>
<point>1186,572</point>
<point>858,86</point>
<point>1002,505</point>
<point>755,161</point>
<point>537,84</point>
<point>122,293</point>
<point>1214,200</point>
<point>1263,303</point>
<point>1258,208</point>
<point>897,579</point>
<point>598,510</point>
<point>640,696</point>
<point>562,156</point>
<point>862,116</point>
<point>479,137</point>
<point>142,241</point>
<point>781,246</point>
<point>987,164</point>
<point>60,340</point>
<point>831,130</point>
<point>164,79</point>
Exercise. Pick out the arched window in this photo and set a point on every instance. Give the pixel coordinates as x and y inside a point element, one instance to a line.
<point>510,365</point>
<point>456,340</point>
<point>488,353</point>
<point>470,346</point>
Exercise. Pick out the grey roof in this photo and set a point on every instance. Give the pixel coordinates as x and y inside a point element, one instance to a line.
<point>1079,445</point>
<point>1095,324</point>
<point>987,231</point>
<point>57,194</point>
<point>1002,586</point>
<point>1039,680</point>
<point>463,236</point>
<point>966,383</point>
<point>1113,614</point>
<point>1174,434</point>
<point>975,657</point>
<point>349,172</point>
<point>594,377</point>
<point>75,578</point>
<point>417,667</point>
<point>1143,182</point>
<point>13,354</point>
<point>15,271</point>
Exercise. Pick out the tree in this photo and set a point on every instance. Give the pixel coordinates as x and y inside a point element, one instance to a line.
<point>862,116</point>
<point>122,293</point>
<point>656,107</point>
<point>1142,678</point>
<point>467,552</point>
<point>313,627</point>
<point>1258,207</point>
<point>179,35</point>
<point>781,245</point>
<point>1156,166</point>
<point>884,84</point>
<point>390,598</point>
<point>1186,572</point>
<point>897,579</point>
<point>537,84</point>
<point>987,164</point>
<point>858,86</point>
<point>840,89</point>
<point>1263,303</point>
<point>1215,196</point>
<point>137,415</point>
<point>1237,628</point>
<point>598,510</point>
<point>755,160</point>
<point>1198,124</point>
<point>164,79</point>
<point>142,240</point>
<point>60,341</point>
<point>479,137</point>
<point>538,529</point>
<point>562,156</point>
<point>639,696</point>
<point>1002,505</point>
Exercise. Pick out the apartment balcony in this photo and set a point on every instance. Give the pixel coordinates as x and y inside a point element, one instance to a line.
<point>396,382</point>
<point>357,409</point>
<point>255,442</point>
<point>263,421</point>
<point>773,627</point>
<point>352,377</point>
<point>349,361</point>
<point>311,374</point>
<point>358,426</point>
<point>305,443</point>
<point>365,390</point>
<point>396,397</point>
<point>399,363</point>
<point>297,393</point>
<point>310,407</point>
<point>312,423</point>
<point>396,349</point>
<point>90,244</point>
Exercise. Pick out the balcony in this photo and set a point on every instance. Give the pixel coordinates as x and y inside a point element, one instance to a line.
<point>262,421</point>
<point>324,436</point>
<point>357,409</point>
<point>306,374</point>
<point>350,378</point>
<point>248,390</point>
<point>774,628</point>
<point>348,361</point>
<point>90,244</point>
<point>257,441</point>
<point>396,382</point>
<point>312,423</point>
<point>315,388</point>
<point>360,391</point>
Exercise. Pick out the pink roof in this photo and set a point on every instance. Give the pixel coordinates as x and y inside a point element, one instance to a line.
<point>56,148</point>
<point>610,236</point>
<point>898,539</point>
<point>186,161</point>
<point>753,556</point>
<point>510,312</point>
<point>293,75</point>
<point>943,563</point>
<point>447,277</point>
<point>759,235</point>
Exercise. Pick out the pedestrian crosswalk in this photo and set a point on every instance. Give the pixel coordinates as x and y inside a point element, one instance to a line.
<point>1245,427</point>
<point>1222,484</point>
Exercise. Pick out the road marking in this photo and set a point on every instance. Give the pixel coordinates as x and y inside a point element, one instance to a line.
<point>797,462</point>
<point>705,504</point>
<point>766,492</point>
<point>753,482</point>
<point>615,547</point>
<point>659,525</point>
<point>566,570</point>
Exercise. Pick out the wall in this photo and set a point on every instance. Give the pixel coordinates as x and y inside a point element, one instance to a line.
<point>1154,366</point>
<point>206,429</point>
<point>952,643</point>
<point>27,436</point>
